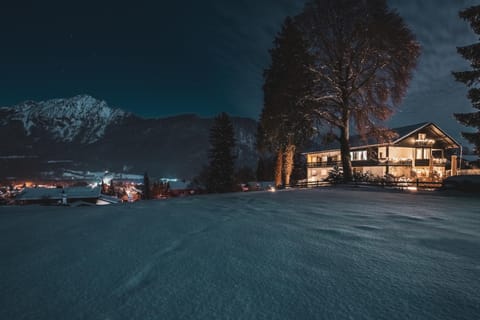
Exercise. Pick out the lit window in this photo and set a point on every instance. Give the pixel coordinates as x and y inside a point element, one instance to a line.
<point>358,155</point>
<point>423,153</point>
<point>419,154</point>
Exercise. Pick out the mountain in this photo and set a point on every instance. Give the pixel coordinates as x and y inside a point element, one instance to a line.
<point>84,133</point>
<point>82,118</point>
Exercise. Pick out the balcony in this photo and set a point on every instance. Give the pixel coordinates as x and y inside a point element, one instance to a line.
<point>397,162</point>
<point>324,164</point>
<point>362,163</point>
<point>365,163</point>
<point>383,162</point>
<point>422,162</point>
<point>439,161</point>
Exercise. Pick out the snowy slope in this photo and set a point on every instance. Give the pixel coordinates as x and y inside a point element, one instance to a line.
<point>81,117</point>
<point>285,255</point>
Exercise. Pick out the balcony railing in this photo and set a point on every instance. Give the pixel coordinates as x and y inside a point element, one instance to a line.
<point>422,162</point>
<point>373,163</point>
<point>391,162</point>
<point>361,163</point>
<point>439,161</point>
<point>324,164</point>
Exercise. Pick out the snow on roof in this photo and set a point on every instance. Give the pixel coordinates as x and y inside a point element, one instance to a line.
<point>57,193</point>
<point>179,185</point>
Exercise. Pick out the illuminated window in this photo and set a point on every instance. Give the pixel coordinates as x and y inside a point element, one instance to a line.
<point>358,155</point>
<point>423,153</point>
<point>422,136</point>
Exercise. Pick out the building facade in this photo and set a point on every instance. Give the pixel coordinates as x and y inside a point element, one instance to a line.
<point>422,151</point>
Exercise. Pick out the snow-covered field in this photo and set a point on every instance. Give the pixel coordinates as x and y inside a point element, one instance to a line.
<point>307,254</point>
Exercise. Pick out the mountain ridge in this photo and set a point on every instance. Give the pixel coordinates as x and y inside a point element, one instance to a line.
<point>66,118</point>
<point>95,136</point>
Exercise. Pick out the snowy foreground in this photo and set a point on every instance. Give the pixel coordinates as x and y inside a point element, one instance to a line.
<point>307,254</point>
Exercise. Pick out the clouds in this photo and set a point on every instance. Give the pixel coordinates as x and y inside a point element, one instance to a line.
<point>433,94</point>
<point>439,31</point>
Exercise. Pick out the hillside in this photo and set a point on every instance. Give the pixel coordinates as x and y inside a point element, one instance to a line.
<point>84,133</point>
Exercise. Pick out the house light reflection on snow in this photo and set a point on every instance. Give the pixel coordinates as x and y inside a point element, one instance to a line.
<point>271,189</point>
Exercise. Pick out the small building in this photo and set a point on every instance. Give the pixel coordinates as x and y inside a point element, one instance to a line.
<point>178,188</point>
<point>419,151</point>
<point>58,196</point>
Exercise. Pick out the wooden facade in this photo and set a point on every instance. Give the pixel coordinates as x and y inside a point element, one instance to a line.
<point>421,151</point>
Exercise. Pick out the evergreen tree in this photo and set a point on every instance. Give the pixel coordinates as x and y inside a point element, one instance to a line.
<point>112,188</point>
<point>146,187</point>
<point>285,122</point>
<point>364,58</point>
<point>221,155</point>
<point>471,78</point>
<point>244,174</point>
<point>260,173</point>
<point>265,168</point>
<point>103,187</point>
<point>300,168</point>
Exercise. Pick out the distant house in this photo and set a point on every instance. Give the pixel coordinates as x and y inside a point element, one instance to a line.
<point>179,188</point>
<point>418,152</point>
<point>54,196</point>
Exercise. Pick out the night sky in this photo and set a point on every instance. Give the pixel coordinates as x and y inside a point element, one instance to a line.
<point>164,58</point>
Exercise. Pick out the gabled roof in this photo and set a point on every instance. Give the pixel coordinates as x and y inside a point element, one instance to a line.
<point>401,133</point>
<point>432,129</point>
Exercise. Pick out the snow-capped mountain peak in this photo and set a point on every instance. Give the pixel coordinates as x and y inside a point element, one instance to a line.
<point>81,117</point>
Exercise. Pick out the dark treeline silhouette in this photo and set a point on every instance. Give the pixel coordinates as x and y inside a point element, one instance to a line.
<point>471,78</point>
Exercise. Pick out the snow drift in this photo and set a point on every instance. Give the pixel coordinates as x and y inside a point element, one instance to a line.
<point>312,254</point>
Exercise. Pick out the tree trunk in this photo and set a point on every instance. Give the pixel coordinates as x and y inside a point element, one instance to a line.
<point>345,153</point>
<point>288,163</point>
<point>278,168</point>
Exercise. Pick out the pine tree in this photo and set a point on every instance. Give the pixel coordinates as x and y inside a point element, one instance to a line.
<point>260,173</point>
<point>112,188</point>
<point>364,59</point>
<point>146,187</point>
<point>285,122</point>
<point>471,78</point>
<point>265,168</point>
<point>221,155</point>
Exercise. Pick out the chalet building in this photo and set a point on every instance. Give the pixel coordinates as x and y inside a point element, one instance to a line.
<point>419,151</point>
<point>58,196</point>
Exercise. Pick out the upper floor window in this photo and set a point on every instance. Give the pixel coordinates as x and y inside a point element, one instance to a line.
<point>358,155</point>
<point>423,141</point>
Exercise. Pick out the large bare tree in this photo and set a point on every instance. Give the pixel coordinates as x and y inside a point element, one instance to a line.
<point>364,58</point>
